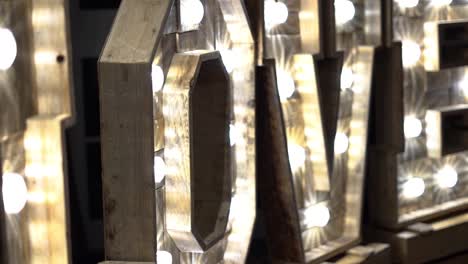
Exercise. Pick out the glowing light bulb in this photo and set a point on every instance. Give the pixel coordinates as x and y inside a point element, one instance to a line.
<point>347,79</point>
<point>317,215</point>
<point>234,135</point>
<point>191,12</point>
<point>297,156</point>
<point>157,77</point>
<point>286,86</point>
<point>275,13</point>
<point>344,11</point>
<point>408,3</point>
<point>8,48</point>
<point>341,143</point>
<point>447,177</point>
<point>463,86</point>
<point>163,257</point>
<point>230,60</point>
<point>413,188</point>
<point>411,53</point>
<point>159,169</point>
<point>441,3</point>
<point>412,127</point>
<point>15,193</point>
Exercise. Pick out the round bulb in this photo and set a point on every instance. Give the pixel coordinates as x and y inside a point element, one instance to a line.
<point>234,135</point>
<point>408,3</point>
<point>413,188</point>
<point>447,177</point>
<point>15,193</point>
<point>411,53</point>
<point>317,215</point>
<point>159,169</point>
<point>163,257</point>
<point>297,156</point>
<point>344,11</point>
<point>191,12</point>
<point>286,86</point>
<point>341,143</point>
<point>275,13</point>
<point>412,127</point>
<point>8,48</point>
<point>157,77</point>
<point>347,79</point>
<point>441,3</point>
<point>230,60</point>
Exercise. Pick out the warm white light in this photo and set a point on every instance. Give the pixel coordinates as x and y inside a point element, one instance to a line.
<point>408,3</point>
<point>159,169</point>
<point>413,188</point>
<point>163,257</point>
<point>341,143</point>
<point>230,60</point>
<point>234,135</point>
<point>411,53</point>
<point>275,13</point>
<point>347,79</point>
<point>286,86</point>
<point>412,127</point>
<point>463,86</point>
<point>8,48</point>
<point>447,177</point>
<point>317,216</point>
<point>440,3</point>
<point>15,193</point>
<point>297,156</point>
<point>191,12</point>
<point>157,77</point>
<point>344,11</point>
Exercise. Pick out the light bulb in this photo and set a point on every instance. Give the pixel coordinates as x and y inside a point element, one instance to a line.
<point>297,156</point>
<point>275,13</point>
<point>447,177</point>
<point>412,127</point>
<point>347,78</point>
<point>230,60</point>
<point>317,216</point>
<point>163,257</point>
<point>286,86</point>
<point>344,11</point>
<point>441,3</point>
<point>341,143</point>
<point>8,48</point>
<point>408,3</point>
<point>157,77</point>
<point>159,169</point>
<point>463,86</point>
<point>191,12</point>
<point>413,188</point>
<point>234,135</point>
<point>15,193</point>
<point>411,53</point>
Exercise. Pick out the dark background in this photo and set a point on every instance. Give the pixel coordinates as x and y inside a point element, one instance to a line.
<point>91,21</point>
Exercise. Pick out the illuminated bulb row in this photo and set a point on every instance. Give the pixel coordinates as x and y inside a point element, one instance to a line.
<point>317,216</point>
<point>191,12</point>
<point>407,3</point>
<point>446,178</point>
<point>440,3</point>
<point>8,48</point>
<point>275,13</point>
<point>344,11</point>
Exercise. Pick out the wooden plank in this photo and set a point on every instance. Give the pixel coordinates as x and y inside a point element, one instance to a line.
<point>274,182</point>
<point>420,247</point>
